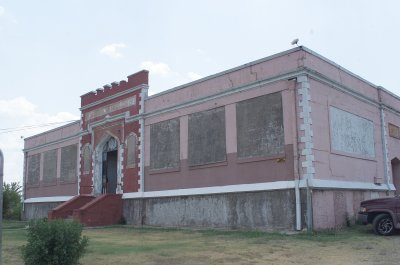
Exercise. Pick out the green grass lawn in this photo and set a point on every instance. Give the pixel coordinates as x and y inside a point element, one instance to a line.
<point>129,245</point>
<point>14,236</point>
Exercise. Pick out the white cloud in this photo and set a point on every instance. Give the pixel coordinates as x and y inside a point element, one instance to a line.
<point>193,76</point>
<point>200,51</point>
<point>163,77</point>
<point>113,50</point>
<point>18,113</point>
<point>7,17</point>
<point>17,107</point>
<point>161,69</point>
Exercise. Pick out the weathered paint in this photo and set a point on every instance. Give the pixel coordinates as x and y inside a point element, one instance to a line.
<point>338,208</point>
<point>267,210</point>
<point>38,210</point>
<point>233,171</point>
<point>107,113</point>
<point>51,137</point>
<point>229,102</point>
<point>351,134</point>
<point>52,141</point>
<point>249,73</point>
<point>310,86</point>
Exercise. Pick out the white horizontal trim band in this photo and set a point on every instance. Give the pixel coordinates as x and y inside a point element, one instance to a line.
<point>49,199</point>
<point>277,185</point>
<point>350,185</point>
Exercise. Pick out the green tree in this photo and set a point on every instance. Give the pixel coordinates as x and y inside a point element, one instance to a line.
<point>12,205</point>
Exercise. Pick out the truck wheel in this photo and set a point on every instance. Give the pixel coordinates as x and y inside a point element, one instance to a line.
<point>383,224</point>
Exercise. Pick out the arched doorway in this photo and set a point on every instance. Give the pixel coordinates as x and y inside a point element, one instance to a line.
<point>109,167</point>
<point>106,168</point>
<point>396,174</point>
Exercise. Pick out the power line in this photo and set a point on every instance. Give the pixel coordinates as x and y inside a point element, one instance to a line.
<point>30,127</point>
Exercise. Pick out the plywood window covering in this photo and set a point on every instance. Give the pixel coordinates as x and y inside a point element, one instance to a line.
<point>69,163</point>
<point>50,166</point>
<point>260,130</point>
<point>165,145</point>
<point>33,169</point>
<point>207,143</point>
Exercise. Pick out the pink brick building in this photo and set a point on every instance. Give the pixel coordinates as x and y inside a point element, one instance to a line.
<point>289,141</point>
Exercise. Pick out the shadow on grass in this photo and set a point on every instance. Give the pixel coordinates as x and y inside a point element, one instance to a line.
<point>347,233</point>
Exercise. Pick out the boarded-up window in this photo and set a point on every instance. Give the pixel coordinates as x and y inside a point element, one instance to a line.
<point>50,166</point>
<point>394,131</point>
<point>86,159</point>
<point>164,144</point>
<point>68,163</point>
<point>260,126</point>
<point>207,142</point>
<point>33,169</point>
<point>351,134</point>
<point>131,151</point>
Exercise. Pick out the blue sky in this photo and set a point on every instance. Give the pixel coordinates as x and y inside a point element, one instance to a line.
<point>51,52</point>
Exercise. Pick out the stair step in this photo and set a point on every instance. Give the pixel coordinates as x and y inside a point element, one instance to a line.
<point>103,210</point>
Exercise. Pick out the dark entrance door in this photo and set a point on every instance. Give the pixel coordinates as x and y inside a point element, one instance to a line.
<point>112,171</point>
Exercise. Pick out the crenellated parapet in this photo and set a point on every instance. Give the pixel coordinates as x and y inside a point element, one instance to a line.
<point>136,79</point>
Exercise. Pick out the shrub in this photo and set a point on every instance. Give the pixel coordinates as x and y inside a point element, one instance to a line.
<point>55,242</point>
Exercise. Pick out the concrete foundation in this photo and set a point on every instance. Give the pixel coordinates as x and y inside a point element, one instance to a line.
<point>38,210</point>
<point>266,210</point>
<point>338,208</point>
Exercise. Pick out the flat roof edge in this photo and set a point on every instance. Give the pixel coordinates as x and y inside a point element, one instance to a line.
<point>258,61</point>
<point>234,69</point>
<point>52,130</point>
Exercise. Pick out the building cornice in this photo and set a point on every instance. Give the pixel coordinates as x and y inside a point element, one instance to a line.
<point>52,130</point>
<point>75,136</point>
<point>289,75</point>
<point>268,58</point>
<point>231,91</point>
<point>332,83</point>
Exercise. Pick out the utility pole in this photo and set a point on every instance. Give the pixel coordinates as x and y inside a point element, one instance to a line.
<point>1,204</point>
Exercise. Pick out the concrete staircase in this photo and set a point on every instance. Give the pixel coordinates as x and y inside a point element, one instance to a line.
<point>105,209</point>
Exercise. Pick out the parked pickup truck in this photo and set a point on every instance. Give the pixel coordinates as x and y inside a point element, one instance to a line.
<point>383,214</point>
